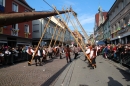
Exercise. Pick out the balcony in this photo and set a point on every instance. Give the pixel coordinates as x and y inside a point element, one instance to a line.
<point>2,8</point>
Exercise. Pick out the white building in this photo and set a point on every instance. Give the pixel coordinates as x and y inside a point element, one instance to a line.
<point>38,28</point>
<point>119,16</point>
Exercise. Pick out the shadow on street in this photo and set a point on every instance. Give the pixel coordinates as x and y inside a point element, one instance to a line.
<point>55,76</point>
<point>125,74</point>
<point>113,82</point>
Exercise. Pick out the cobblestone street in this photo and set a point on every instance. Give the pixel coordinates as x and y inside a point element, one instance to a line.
<point>23,75</point>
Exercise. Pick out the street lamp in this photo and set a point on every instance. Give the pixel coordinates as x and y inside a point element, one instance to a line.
<point>119,39</point>
<point>96,42</point>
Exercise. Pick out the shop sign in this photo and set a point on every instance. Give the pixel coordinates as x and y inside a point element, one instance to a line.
<point>123,31</point>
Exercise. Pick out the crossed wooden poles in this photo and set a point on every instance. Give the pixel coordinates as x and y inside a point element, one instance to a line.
<point>64,23</point>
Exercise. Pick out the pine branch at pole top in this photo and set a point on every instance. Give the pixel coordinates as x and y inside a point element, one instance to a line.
<point>73,36</point>
<point>45,28</point>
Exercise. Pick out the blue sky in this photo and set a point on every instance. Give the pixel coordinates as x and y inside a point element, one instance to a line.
<point>86,9</point>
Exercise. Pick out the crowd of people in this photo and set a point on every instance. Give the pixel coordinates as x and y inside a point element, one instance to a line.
<point>119,52</point>
<point>9,55</point>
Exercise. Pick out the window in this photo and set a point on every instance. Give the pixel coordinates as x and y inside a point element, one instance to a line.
<point>50,29</point>
<point>14,31</point>
<point>14,26</point>
<point>1,2</point>
<point>36,28</point>
<point>121,23</point>
<point>26,28</point>
<point>14,7</point>
<point>126,19</point>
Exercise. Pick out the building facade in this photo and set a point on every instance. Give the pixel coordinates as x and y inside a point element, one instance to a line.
<point>16,34</point>
<point>38,29</point>
<point>106,30</point>
<point>100,18</point>
<point>91,39</point>
<point>119,17</point>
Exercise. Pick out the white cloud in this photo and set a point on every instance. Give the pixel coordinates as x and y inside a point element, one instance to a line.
<point>69,3</point>
<point>66,3</point>
<point>85,19</point>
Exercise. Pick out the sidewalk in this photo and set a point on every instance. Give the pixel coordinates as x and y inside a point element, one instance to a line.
<point>78,74</point>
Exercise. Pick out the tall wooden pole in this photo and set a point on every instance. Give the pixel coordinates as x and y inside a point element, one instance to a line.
<point>86,36</point>
<point>67,18</point>
<point>76,30</point>
<point>57,36</point>
<point>74,36</point>
<point>53,34</point>
<point>45,28</point>
<point>62,38</point>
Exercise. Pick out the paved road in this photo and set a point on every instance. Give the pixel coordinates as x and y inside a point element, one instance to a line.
<point>23,75</point>
<point>57,72</point>
<point>107,73</point>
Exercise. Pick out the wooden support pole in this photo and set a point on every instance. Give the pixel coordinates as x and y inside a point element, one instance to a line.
<point>57,36</point>
<point>62,38</point>
<point>74,36</point>
<point>73,24</point>
<point>86,36</point>
<point>76,30</point>
<point>53,35</point>
<point>45,28</point>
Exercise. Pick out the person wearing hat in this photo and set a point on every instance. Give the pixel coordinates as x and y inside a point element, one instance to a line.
<point>30,52</point>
